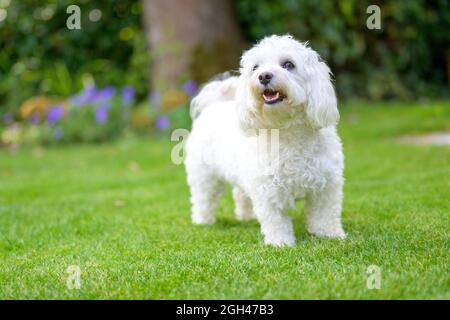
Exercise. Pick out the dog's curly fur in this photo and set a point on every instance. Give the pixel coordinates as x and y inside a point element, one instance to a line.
<point>224,146</point>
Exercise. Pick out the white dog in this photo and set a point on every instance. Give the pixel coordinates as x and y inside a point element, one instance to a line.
<point>284,90</point>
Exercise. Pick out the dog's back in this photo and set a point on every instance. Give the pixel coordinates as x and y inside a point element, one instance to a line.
<point>219,89</point>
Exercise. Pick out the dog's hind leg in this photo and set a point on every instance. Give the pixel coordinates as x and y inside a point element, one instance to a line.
<point>206,191</point>
<point>243,205</point>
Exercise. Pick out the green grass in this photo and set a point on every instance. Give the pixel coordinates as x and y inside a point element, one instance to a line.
<point>58,207</point>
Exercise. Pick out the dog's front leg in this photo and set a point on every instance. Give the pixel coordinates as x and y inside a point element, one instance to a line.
<point>276,226</point>
<point>323,212</point>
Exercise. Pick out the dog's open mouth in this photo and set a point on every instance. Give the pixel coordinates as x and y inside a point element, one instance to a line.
<point>272,96</point>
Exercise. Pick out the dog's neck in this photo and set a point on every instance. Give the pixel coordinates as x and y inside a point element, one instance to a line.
<point>298,134</point>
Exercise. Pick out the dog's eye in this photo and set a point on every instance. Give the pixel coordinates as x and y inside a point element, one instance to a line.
<point>255,67</point>
<point>288,65</point>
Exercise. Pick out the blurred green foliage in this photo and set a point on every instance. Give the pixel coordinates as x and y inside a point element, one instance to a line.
<point>40,55</point>
<point>408,58</point>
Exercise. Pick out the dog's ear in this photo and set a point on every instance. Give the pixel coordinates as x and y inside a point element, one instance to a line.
<point>321,109</point>
<point>248,118</point>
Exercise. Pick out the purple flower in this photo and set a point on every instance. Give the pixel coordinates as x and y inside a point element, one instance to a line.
<point>87,96</point>
<point>58,133</point>
<point>128,95</point>
<point>104,95</point>
<point>90,95</point>
<point>162,123</point>
<point>55,113</point>
<point>155,99</point>
<point>190,87</point>
<point>101,114</point>
<point>34,118</point>
<point>8,118</point>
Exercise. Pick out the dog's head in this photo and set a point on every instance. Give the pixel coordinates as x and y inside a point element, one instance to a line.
<point>284,82</point>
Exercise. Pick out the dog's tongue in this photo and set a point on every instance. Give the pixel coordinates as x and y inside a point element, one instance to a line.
<point>270,95</point>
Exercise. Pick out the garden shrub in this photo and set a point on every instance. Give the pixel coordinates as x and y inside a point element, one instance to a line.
<point>407,59</point>
<point>39,55</point>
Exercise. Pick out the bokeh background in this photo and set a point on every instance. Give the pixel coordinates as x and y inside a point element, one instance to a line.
<point>133,65</point>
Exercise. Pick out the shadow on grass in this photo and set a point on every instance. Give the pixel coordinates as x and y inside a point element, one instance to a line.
<point>225,222</point>
<point>231,223</point>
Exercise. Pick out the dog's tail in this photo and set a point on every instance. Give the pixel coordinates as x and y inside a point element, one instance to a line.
<point>220,88</point>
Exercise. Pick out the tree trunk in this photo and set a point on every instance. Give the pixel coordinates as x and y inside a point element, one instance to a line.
<point>190,39</point>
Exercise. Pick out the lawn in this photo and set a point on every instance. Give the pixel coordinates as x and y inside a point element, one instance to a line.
<point>120,212</point>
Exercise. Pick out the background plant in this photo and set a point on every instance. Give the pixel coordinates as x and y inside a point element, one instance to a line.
<point>407,59</point>
<point>40,55</point>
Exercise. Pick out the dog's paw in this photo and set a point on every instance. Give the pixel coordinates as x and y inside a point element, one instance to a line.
<point>338,233</point>
<point>280,241</point>
<point>198,219</point>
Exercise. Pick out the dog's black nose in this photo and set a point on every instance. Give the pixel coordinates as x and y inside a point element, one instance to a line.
<point>265,77</point>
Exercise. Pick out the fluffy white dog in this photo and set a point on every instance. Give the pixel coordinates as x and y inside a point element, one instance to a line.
<point>283,91</point>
